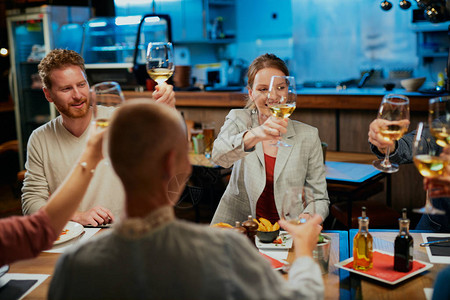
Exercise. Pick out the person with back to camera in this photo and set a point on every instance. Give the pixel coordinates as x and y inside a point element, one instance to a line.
<point>54,147</point>
<point>151,255</point>
<point>262,172</point>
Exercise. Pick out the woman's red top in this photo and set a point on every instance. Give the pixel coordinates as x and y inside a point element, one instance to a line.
<point>265,207</point>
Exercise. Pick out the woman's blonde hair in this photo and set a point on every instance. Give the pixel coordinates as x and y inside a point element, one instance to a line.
<point>267,60</point>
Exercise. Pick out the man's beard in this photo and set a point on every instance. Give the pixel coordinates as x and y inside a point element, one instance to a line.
<point>72,112</point>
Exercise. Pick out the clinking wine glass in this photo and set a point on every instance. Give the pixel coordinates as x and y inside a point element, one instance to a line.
<point>394,113</point>
<point>105,96</point>
<point>297,202</point>
<point>429,164</point>
<point>282,99</point>
<point>439,119</point>
<point>160,64</point>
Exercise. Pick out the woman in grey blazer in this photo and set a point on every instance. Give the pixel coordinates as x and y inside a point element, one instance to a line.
<point>261,172</point>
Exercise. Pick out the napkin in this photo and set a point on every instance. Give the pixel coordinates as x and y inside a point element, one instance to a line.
<point>276,264</point>
<point>383,267</point>
<point>441,249</point>
<point>15,289</point>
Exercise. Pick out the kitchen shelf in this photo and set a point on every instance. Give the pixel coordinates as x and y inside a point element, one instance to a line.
<point>433,54</point>
<point>429,27</point>
<point>221,2</point>
<point>206,41</point>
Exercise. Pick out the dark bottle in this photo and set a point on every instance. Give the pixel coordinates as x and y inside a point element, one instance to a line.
<point>404,246</point>
<point>251,227</point>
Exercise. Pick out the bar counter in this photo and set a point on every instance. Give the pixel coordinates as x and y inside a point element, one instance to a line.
<point>317,98</point>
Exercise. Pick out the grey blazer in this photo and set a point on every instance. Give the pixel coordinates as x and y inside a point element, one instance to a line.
<point>299,165</point>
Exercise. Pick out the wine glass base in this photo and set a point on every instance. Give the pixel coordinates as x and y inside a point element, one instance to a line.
<point>429,210</point>
<point>281,144</point>
<point>380,165</point>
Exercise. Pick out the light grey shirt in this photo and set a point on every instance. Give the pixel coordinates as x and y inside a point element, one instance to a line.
<point>296,166</point>
<point>51,154</point>
<point>177,260</point>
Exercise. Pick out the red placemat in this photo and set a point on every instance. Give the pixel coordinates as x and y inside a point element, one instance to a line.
<point>274,262</point>
<point>383,267</point>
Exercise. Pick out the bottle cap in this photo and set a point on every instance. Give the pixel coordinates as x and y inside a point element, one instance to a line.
<point>363,217</point>
<point>404,219</point>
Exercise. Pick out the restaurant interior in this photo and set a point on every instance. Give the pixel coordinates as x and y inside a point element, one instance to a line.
<point>345,57</point>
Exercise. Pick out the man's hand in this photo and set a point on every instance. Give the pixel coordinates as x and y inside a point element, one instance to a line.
<point>376,139</point>
<point>305,236</point>
<point>95,216</point>
<point>164,94</point>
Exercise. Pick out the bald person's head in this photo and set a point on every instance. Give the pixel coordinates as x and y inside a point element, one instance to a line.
<point>147,144</point>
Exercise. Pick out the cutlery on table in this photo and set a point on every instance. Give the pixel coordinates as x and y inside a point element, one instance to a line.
<point>434,242</point>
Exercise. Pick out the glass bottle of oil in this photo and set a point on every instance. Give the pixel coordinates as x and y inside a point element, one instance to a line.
<point>363,245</point>
<point>403,246</point>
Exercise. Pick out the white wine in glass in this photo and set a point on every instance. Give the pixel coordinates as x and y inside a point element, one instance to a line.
<point>429,164</point>
<point>105,96</point>
<point>160,64</point>
<point>282,99</point>
<point>439,119</point>
<point>394,116</point>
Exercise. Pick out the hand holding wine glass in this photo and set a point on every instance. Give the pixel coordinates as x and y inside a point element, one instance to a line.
<point>160,64</point>
<point>394,120</point>
<point>282,99</point>
<point>429,164</point>
<point>298,205</point>
<point>439,120</point>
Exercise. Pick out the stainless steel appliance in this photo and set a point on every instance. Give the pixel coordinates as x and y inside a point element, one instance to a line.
<point>32,34</point>
<point>115,47</point>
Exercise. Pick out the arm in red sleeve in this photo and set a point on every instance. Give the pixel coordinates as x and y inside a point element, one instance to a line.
<point>25,236</point>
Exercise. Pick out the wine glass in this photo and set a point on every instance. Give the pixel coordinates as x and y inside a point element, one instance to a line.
<point>439,119</point>
<point>429,164</point>
<point>394,112</point>
<point>297,202</point>
<point>282,99</point>
<point>105,97</point>
<point>160,64</point>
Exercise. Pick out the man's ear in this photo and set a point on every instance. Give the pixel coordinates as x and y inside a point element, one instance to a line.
<point>169,165</point>
<point>47,94</point>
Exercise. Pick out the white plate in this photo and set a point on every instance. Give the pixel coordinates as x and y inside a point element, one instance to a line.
<point>343,263</point>
<point>72,229</point>
<point>286,238</point>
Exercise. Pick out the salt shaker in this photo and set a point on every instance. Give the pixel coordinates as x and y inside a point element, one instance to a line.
<point>239,228</point>
<point>251,227</point>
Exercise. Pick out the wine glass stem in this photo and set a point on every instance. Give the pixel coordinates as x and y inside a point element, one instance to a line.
<point>428,204</point>
<point>386,163</point>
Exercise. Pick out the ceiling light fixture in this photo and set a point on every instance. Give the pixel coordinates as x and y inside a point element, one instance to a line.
<point>385,5</point>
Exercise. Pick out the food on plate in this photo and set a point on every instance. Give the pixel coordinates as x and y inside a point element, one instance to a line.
<point>265,225</point>
<point>278,240</point>
<point>65,231</point>
<point>222,225</point>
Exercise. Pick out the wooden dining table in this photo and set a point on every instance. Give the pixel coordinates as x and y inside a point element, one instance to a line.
<point>339,283</point>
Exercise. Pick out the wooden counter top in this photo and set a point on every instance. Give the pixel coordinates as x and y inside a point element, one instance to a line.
<point>316,101</point>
